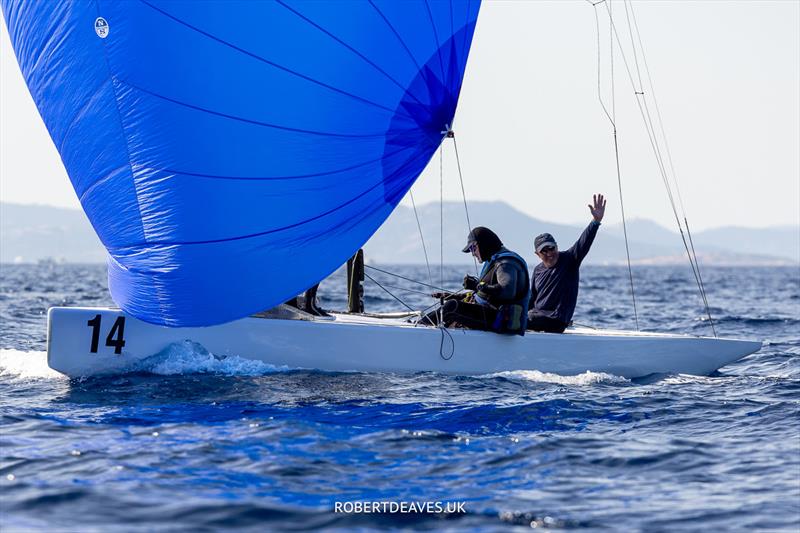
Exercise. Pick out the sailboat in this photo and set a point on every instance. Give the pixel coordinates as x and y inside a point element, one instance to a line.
<point>230,155</point>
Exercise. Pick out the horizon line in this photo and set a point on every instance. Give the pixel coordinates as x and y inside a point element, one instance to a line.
<point>792,225</point>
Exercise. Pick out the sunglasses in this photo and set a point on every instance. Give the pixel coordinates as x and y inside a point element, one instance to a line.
<point>548,249</point>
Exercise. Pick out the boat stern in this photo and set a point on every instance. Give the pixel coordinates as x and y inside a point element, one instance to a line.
<point>85,341</point>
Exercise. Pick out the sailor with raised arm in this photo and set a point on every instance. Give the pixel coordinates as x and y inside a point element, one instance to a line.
<point>554,290</point>
<point>496,300</point>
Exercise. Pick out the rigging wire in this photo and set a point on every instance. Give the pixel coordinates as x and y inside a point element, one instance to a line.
<point>423,313</point>
<point>441,323</point>
<point>441,230</point>
<point>611,64</point>
<point>390,293</point>
<point>644,111</point>
<point>671,164</point>
<point>405,278</point>
<point>385,287</point>
<point>444,332</point>
<point>421,238</point>
<point>612,120</point>
<point>691,254</point>
<point>452,135</point>
<point>406,289</point>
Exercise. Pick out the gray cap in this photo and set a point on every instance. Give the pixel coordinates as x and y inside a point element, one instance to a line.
<point>542,241</point>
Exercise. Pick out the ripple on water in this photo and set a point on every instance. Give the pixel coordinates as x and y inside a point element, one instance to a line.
<point>196,441</point>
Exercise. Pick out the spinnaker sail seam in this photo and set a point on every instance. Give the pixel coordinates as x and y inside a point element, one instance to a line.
<point>279,178</point>
<point>452,23</point>
<point>399,39</point>
<point>251,121</point>
<point>272,63</point>
<point>438,46</point>
<point>121,123</point>
<point>151,244</point>
<point>356,52</point>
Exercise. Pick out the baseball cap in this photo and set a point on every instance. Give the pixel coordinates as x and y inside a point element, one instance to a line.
<point>544,240</point>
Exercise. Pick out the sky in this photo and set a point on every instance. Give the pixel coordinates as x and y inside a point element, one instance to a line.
<point>531,131</point>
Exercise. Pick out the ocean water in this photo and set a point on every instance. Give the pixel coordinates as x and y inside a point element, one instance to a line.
<point>199,444</point>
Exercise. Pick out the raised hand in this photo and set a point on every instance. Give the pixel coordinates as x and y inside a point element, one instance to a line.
<point>599,207</point>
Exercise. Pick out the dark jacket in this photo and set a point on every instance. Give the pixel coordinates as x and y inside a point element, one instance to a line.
<point>554,291</point>
<point>504,281</point>
<point>504,286</point>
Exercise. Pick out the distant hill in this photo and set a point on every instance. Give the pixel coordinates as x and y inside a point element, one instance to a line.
<point>778,241</point>
<point>30,233</point>
<point>398,240</point>
<point>730,245</point>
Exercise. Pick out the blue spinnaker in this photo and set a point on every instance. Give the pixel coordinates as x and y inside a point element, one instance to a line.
<point>231,154</point>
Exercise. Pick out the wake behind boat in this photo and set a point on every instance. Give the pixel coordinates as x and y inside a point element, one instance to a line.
<point>101,341</point>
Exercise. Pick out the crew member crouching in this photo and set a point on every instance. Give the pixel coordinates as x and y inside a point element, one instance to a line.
<point>496,300</point>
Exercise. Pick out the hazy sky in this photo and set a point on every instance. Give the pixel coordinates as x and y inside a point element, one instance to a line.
<point>532,133</point>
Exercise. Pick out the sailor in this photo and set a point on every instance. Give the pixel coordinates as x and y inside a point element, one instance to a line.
<point>496,300</point>
<point>554,291</point>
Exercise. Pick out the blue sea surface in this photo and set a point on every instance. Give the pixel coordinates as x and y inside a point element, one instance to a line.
<point>201,444</point>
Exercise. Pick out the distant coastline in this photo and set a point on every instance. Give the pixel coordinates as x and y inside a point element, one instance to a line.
<point>32,234</point>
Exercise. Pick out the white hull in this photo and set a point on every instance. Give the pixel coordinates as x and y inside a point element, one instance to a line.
<point>358,343</point>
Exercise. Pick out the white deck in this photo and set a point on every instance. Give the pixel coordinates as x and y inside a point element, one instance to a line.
<point>368,344</point>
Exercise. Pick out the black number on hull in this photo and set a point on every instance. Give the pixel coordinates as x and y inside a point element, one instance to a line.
<point>117,329</point>
<point>115,338</point>
<point>95,325</point>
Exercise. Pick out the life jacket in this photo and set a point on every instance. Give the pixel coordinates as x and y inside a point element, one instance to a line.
<point>512,315</point>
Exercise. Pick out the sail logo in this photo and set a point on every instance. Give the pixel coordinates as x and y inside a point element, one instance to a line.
<point>101,27</point>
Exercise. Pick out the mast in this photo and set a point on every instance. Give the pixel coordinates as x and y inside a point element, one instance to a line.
<point>355,283</point>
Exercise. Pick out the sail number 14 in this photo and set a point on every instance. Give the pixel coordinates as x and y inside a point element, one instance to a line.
<point>115,338</point>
